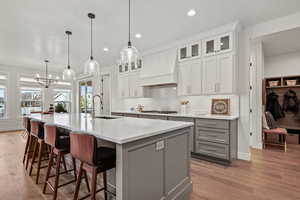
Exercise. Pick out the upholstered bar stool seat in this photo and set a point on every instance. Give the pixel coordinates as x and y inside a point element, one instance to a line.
<point>93,159</point>
<point>59,141</point>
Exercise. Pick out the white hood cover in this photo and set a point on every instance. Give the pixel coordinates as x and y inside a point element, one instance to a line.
<point>159,68</point>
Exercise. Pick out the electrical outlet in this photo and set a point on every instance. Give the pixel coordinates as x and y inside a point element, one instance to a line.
<point>160,145</point>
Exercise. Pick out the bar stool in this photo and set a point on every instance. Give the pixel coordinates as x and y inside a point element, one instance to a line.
<point>40,148</point>
<point>26,125</point>
<point>59,142</point>
<point>92,159</point>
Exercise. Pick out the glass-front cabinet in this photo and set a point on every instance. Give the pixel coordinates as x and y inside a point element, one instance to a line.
<point>133,67</point>
<point>189,51</point>
<point>216,45</point>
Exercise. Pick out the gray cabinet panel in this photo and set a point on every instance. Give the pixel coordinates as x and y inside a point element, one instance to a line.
<point>213,135</point>
<point>192,135</point>
<point>212,123</point>
<point>139,179</point>
<point>213,149</point>
<point>177,169</point>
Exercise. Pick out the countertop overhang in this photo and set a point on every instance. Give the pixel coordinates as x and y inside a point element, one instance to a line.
<point>119,130</point>
<point>206,116</point>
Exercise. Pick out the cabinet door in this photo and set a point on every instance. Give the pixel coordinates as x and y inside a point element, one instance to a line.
<point>123,86</point>
<point>190,75</point>
<point>184,86</point>
<point>196,77</point>
<point>209,46</point>
<point>183,53</point>
<point>195,50</point>
<point>209,75</point>
<point>225,73</point>
<point>224,43</point>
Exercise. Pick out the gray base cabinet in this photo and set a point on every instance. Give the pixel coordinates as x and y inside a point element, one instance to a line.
<point>216,139</point>
<point>210,139</point>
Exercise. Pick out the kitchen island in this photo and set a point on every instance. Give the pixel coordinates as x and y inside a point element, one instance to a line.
<point>153,157</point>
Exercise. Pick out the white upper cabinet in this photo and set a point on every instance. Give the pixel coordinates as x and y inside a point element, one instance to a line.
<point>219,74</point>
<point>134,67</point>
<point>216,45</point>
<point>189,51</point>
<point>190,78</point>
<point>210,76</point>
<point>226,74</point>
<point>123,85</point>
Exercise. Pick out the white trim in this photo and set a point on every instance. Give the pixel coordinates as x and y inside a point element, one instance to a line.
<point>244,156</point>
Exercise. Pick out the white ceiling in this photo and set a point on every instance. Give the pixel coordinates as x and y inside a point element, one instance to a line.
<point>282,43</point>
<point>32,30</point>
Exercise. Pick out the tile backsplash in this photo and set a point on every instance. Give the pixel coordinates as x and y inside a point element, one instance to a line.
<point>165,98</point>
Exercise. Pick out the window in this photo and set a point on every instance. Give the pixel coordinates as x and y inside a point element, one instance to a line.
<point>2,101</point>
<point>62,100</point>
<point>31,100</point>
<point>85,96</point>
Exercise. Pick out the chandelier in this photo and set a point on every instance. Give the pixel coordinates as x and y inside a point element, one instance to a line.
<point>47,80</point>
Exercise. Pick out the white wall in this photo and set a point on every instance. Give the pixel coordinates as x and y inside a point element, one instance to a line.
<point>12,121</point>
<point>282,65</point>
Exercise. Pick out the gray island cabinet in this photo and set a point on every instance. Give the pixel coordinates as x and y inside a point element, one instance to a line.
<point>213,138</point>
<point>153,156</point>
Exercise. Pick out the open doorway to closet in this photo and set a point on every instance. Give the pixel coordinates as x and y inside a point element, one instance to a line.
<point>276,82</point>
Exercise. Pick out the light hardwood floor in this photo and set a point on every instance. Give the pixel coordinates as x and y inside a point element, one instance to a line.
<point>271,175</point>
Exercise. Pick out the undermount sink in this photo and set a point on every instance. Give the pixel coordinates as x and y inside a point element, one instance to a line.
<point>106,117</point>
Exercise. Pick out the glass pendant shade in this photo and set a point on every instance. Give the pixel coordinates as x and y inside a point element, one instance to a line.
<point>91,67</point>
<point>69,75</point>
<point>129,56</point>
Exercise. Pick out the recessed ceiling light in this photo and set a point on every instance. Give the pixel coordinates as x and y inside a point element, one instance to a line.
<point>191,13</point>
<point>105,49</point>
<point>138,35</point>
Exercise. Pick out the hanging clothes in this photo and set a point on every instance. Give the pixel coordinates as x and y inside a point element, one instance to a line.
<point>291,102</point>
<point>273,106</point>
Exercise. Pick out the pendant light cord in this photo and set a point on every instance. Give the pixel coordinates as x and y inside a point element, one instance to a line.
<point>69,51</point>
<point>91,38</point>
<point>129,24</point>
<point>46,69</point>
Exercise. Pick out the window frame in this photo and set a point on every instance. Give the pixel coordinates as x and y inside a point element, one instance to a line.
<point>55,90</point>
<point>31,89</point>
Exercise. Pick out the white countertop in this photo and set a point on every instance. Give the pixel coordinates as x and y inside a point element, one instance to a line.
<point>120,130</point>
<point>206,116</point>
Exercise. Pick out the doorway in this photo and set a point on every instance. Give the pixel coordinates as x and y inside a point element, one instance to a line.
<point>276,70</point>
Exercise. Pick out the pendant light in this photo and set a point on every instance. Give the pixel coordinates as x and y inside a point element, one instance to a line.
<point>68,73</point>
<point>91,66</point>
<point>129,55</point>
<point>47,80</point>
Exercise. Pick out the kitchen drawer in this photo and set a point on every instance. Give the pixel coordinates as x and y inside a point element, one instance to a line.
<point>154,117</point>
<point>212,149</point>
<point>213,135</point>
<point>212,123</point>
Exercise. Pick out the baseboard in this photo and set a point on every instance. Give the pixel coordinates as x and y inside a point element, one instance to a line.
<point>257,146</point>
<point>244,156</point>
<point>11,130</point>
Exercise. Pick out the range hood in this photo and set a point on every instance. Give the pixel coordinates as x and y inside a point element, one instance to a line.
<point>159,69</point>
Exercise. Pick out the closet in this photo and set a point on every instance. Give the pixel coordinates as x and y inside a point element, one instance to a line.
<point>288,90</point>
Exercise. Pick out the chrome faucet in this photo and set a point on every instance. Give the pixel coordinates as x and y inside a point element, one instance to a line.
<point>101,103</point>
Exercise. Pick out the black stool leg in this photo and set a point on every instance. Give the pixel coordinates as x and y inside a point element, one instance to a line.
<point>41,147</point>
